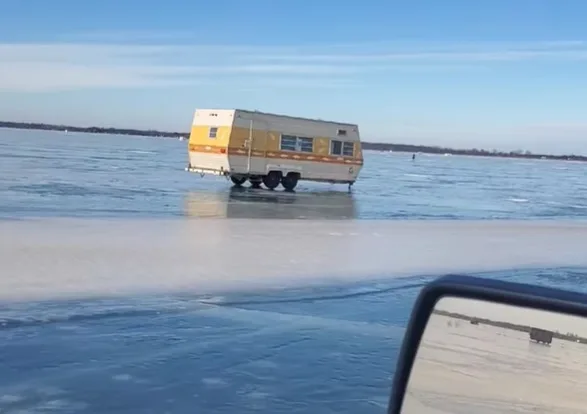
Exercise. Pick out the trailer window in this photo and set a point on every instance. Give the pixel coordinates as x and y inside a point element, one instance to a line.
<point>297,144</point>
<point>212,132</point>
<point>288,142</point>
<point>336,147</point>
<point>306,144</point>
<point>348,149</point>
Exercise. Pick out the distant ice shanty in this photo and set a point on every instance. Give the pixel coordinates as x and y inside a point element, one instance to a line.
<point>273,149</point>
<point>541,336</point>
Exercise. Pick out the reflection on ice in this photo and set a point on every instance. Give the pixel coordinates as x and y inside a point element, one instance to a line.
<point>53,257</point>
<point>246,202</point>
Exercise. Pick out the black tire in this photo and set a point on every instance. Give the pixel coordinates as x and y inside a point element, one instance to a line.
<point>238,180</point>
<point>290,181</point>
<point>272,180</point>
<point>255,183</point>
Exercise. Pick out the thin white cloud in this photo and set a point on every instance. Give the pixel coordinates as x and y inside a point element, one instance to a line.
<point>187,37</point>
<point>128,36</point>
<point>32,67</point>
<point>459,52</point>
<point>48,77</point>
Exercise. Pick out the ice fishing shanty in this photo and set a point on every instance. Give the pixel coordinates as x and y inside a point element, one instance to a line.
<point>541,336</point>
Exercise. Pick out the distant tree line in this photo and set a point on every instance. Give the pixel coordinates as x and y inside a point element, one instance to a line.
<point>92,129</point>
<point>377,146</point>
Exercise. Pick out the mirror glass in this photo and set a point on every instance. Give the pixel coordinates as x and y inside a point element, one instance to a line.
<point>481,357</point>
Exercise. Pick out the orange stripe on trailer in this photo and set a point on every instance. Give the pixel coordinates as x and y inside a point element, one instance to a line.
<point>208,149</point>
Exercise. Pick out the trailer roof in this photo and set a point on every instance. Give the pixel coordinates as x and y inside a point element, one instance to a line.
<point>297,117</point>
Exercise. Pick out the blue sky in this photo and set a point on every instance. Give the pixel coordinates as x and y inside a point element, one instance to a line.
<point>503,74</point>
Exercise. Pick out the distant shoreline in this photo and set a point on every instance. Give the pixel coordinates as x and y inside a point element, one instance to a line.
<point>506,325</point>
<point>375,146</point>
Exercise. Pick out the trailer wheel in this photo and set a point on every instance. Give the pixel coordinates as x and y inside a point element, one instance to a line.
<point>272,179</point>
<point>290,181</point>
<point>255,181</point>
<point>238,180</point>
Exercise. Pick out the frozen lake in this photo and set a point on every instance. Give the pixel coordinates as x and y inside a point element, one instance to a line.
<point>116,297</point>
<point>57,174</point>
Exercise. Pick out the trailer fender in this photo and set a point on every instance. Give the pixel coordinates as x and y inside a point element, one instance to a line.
<point>284,168</point>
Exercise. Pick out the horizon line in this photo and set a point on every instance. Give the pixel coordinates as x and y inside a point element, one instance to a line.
<point>169,134</point>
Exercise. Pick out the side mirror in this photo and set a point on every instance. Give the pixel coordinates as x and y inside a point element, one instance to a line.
<point>484,346</point>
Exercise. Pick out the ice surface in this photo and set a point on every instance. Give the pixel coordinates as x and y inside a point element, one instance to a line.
<point>48,258</point>
<point>465,368</point>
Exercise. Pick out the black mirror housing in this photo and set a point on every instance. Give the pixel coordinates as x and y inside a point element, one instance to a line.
<point>475,288</point>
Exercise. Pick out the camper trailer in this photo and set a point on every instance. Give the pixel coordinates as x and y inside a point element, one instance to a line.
<point>273,150</point>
